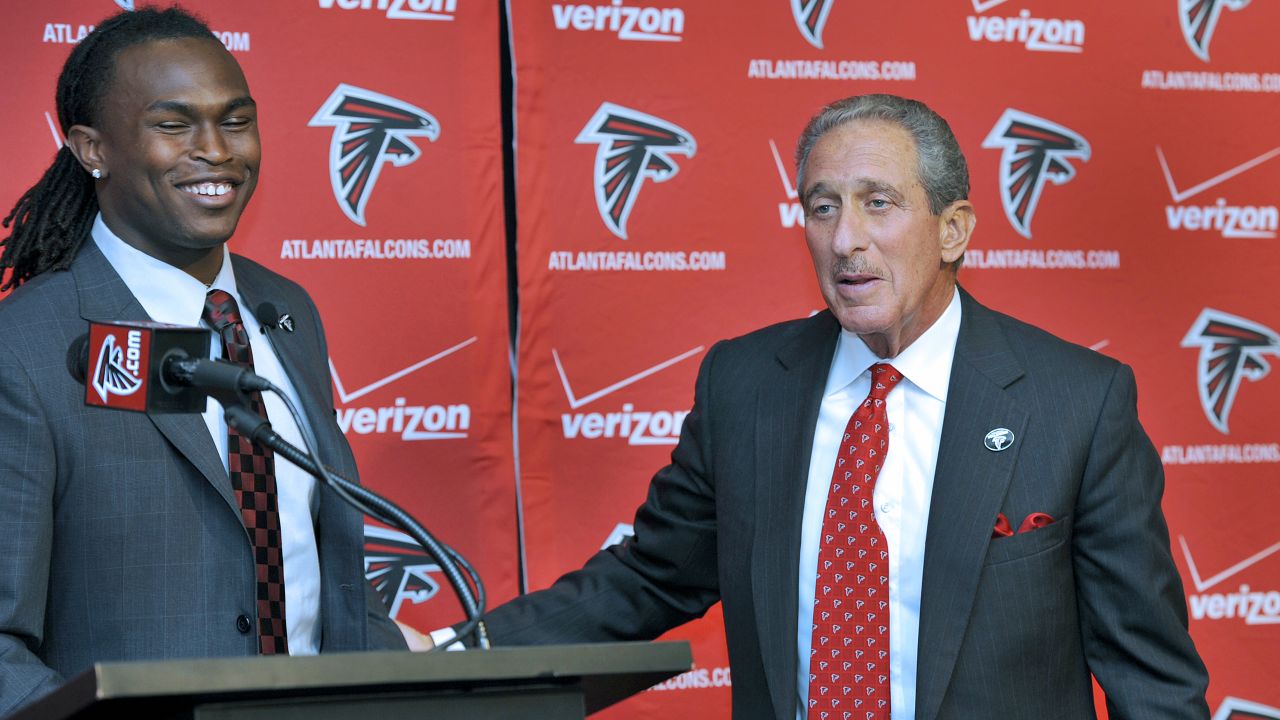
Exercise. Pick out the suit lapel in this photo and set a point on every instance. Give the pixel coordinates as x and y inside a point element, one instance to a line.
<point>969,485</point>
<point>786,413</point>
<point>105,298</point>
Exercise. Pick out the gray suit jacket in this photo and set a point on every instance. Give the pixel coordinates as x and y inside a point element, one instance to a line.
<point>1010,628</point>
<point>119,534</point>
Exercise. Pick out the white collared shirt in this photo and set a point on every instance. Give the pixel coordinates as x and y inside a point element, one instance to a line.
<point>170,295</point>
<point>903,490</point>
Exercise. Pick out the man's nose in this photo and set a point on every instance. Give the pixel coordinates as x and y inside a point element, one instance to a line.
<point>210,145</point>
<point>850,235</point>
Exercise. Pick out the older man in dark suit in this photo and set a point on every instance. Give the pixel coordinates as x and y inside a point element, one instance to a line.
<point>911,506</point>
<point>126,536</point>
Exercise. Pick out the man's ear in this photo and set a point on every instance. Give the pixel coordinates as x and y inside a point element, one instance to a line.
<point>85,143</point>
<point>955,226</point>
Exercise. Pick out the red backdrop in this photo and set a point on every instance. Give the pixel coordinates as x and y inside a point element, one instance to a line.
<point>1151,237</point>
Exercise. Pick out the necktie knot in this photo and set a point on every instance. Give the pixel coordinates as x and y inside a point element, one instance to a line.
<point>884,377</point>
<point>220,310</point>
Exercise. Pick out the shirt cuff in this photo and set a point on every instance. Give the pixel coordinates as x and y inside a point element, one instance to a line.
<point>446,636</point>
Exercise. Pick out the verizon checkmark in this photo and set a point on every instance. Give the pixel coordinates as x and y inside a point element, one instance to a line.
<point>980,7</point>
<point>782,173</point>
<point>576,402</point>
<point>346,397</point>
<point>1180,195</point>
<point>1205,584</point>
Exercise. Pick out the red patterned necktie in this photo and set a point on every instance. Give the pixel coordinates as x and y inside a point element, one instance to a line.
<point>253,476</point>
<point>849,659</point>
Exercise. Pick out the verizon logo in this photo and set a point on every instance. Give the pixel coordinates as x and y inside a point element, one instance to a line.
<point>790,212</point>
<point>409,421</point>
<point>646,24</point>
<point>1228,220</point>
<point>638,427</point>
<point>1255,607</point>
<point>1036,34</point>
<point>400,9</point>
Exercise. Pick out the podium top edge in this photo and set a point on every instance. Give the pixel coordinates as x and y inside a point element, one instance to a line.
<point>385,669</point>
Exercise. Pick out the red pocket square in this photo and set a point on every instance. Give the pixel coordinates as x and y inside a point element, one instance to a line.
<point>1002,529</point>
<point>1034,521</point>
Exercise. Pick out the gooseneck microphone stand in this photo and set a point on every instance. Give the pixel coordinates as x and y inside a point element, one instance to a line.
<point>236,409</point>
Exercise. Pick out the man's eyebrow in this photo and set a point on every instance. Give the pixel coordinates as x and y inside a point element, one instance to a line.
<point>816,189</point>
<point>875,186</point>
<point>183,108</point>
<point>864,186</point>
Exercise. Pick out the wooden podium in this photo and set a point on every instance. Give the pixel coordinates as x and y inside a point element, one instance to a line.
<point>557,682</point>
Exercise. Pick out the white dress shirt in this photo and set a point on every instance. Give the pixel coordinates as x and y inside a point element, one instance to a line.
<point>170,295</point>
<point>915,409</point>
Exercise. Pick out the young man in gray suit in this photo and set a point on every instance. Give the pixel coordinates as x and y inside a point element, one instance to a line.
<point>126,536</point>
<point>910,506</point>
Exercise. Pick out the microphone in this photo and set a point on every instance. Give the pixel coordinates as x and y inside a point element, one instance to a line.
<point>154,368</point>
<point>269,317</point>
<point>208,375</point>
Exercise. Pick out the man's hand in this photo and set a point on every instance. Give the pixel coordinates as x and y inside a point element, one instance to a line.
<point>416,640</point>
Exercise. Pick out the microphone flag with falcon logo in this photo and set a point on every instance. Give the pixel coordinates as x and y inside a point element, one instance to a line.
<point>370,129</point>
<point>1199,18</point>
<point>110,375</point>
<point>632,146</point>
<point>1033,150</point>
<point>811,18</point>
<point>1231,347</point>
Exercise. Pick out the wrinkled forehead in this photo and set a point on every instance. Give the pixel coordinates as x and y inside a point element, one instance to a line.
<point>863,153</point>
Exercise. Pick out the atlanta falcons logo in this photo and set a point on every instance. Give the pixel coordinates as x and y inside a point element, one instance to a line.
<point>370,129</point>
<point>811,18</point>
<point>1199,18</point>
<point>1231,348</point>
<point>110,376</point>
<point>633,146</point>
<point>1033,150</point>
<point>1236,709</point>
<point>398,568</point>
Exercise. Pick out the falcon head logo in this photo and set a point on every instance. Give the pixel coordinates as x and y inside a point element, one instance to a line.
<point>1199,18</point>
<point>370,130</point>
<point>1033,150</point>
<point>1233,708</point>
<point>398,568</point>
<point>633,146</point>
<point>110,375</point>
<point>1231,348</point>
<point>811,18</point>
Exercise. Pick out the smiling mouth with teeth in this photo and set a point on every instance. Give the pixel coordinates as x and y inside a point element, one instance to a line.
<point>207,188</point>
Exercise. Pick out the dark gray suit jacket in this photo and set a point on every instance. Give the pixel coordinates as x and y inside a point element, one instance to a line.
<point>119,533</point>
<point>1009,628</point>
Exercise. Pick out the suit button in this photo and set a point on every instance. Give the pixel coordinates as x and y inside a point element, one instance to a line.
<point>244,624</point>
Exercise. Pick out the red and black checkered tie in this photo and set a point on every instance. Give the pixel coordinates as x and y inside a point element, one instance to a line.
<point>849,659</point>
<point>253,476</point>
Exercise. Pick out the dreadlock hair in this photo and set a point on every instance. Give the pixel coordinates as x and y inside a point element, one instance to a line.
<point>52,219</point>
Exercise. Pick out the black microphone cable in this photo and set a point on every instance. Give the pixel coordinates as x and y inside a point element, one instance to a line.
<point>258,429</point>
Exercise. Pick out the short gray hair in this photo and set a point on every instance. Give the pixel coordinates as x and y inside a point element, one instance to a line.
<point>942,168</point>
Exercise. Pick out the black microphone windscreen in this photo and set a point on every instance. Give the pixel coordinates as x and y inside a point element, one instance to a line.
<point>267,315</point>
<point>78,358</point>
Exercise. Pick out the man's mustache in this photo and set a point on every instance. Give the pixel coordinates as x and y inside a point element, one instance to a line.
<point>857,265</point>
